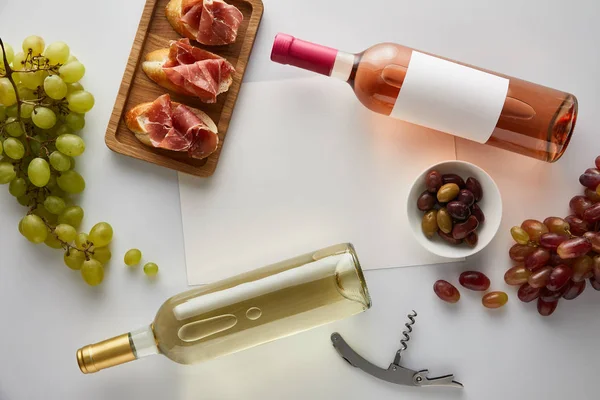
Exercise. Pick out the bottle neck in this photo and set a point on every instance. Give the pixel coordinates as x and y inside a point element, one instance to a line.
<point>313,57</point>
<point>118,350</point>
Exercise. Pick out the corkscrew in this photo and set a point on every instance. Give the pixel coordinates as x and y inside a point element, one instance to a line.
<point>395,373</point>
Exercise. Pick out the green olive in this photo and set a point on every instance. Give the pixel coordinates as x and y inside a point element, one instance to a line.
<point>429,223</point>
<point>444,220</point>
<point>448,192</point>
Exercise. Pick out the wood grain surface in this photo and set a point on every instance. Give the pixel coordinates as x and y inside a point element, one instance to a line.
<point>155,32</point>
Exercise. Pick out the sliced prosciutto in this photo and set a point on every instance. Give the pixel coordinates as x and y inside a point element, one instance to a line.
<point>213,22</point>
<point>176,128</point>
<point>197,72</point>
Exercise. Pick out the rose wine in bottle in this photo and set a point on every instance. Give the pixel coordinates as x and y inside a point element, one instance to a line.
<point>243,311</point>
<point>445,95</point>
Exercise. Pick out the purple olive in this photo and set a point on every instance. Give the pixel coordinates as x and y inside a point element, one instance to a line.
<point>476,211</point>
<point>474,187</point>
<point>433,181</point>
<point>460,231</point>
<point>453,178</point>
<point>465,196</point>
<point>472,239</point>
<point>426,201</point>
<point>458,210</point>
<point>448,238</point>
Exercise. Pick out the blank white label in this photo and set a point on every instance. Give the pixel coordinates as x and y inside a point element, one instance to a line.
<point>451,98</point>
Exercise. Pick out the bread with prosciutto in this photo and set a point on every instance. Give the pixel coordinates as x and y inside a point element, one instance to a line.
<point>210,22</point>
<point>189,70</point>
<point>168,125</point>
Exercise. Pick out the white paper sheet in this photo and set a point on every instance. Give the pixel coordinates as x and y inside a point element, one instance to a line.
<point>305,166</point>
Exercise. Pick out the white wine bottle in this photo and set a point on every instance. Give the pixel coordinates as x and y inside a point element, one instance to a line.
<point>243,311</point>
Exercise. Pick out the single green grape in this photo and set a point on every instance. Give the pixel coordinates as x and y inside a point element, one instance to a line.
<point>17,187</point>
<point>14,148</point>
<point>54,205</point>
<point>13,127</point>
<point>34,229</point>
<point>71,145</point>
<point>80,101</point>
<point>7,172</point>
<point>31,80</point>
<point>43,117</point>
<point>52,242</point>
<point>92,272</point>
<point>102,254</point>
<point>72,215</point>
<point>26,94</point>
<point>18,63</point>
<point>81,240</point>
<point>38,172</point>
<point>55,87</point>
<point>132,257</point>
<point>74,87</point>
<point>101,234</point>
<point>151,269</point>
<point>72,72</point>
<point>65,232</point>
<point>59,161</point>
<point>12,111</point>
<point>75,121</point>
<point>63,130</point>
<point>74,258</point>
<point>26,110</point>
<point>33,44</point>
<point>71,182</point>
<point>8,96</point>
<point>10,54</point>
<point>57,53</point>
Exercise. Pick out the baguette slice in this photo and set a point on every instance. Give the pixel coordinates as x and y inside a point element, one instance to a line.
<point>210,31</point>
<point>153,68</point>
<point>136,118</point>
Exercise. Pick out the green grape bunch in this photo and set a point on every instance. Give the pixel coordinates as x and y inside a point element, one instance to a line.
<point>42,111</point>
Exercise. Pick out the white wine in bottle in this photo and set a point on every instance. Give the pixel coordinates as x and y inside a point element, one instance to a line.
<point>243,311</point>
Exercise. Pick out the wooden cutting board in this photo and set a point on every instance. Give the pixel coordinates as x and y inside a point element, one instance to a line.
<point>155,32</point>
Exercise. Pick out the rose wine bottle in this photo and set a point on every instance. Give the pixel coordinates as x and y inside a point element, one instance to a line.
<point>243,311</point>
<point>445,95</point>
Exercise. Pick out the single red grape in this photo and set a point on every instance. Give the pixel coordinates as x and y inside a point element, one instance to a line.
<point>559,277</point>
<point>539,278</point>
<point>574,248</point>
<point>519,252</point>
<point>574,290</point>
<point>528,293</point>
<point>537,259</point>
<point>474,280</point>
<point>446,291</point>
<point>534,228</point>
<point>546,308</point>
<point>517,275</point>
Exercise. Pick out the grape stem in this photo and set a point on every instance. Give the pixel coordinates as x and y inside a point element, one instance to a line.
<point>35,61</point>
<point>67,246</point>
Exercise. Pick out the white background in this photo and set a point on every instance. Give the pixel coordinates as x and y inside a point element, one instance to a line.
<point>47,313</point>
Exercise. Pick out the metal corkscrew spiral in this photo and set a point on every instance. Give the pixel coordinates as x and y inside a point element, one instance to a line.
<point>408,331</point>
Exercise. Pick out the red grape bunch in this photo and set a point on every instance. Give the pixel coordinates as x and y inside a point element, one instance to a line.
<point>556,257</point>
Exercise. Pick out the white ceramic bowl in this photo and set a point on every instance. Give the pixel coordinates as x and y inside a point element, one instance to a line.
<point>490,204</point>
